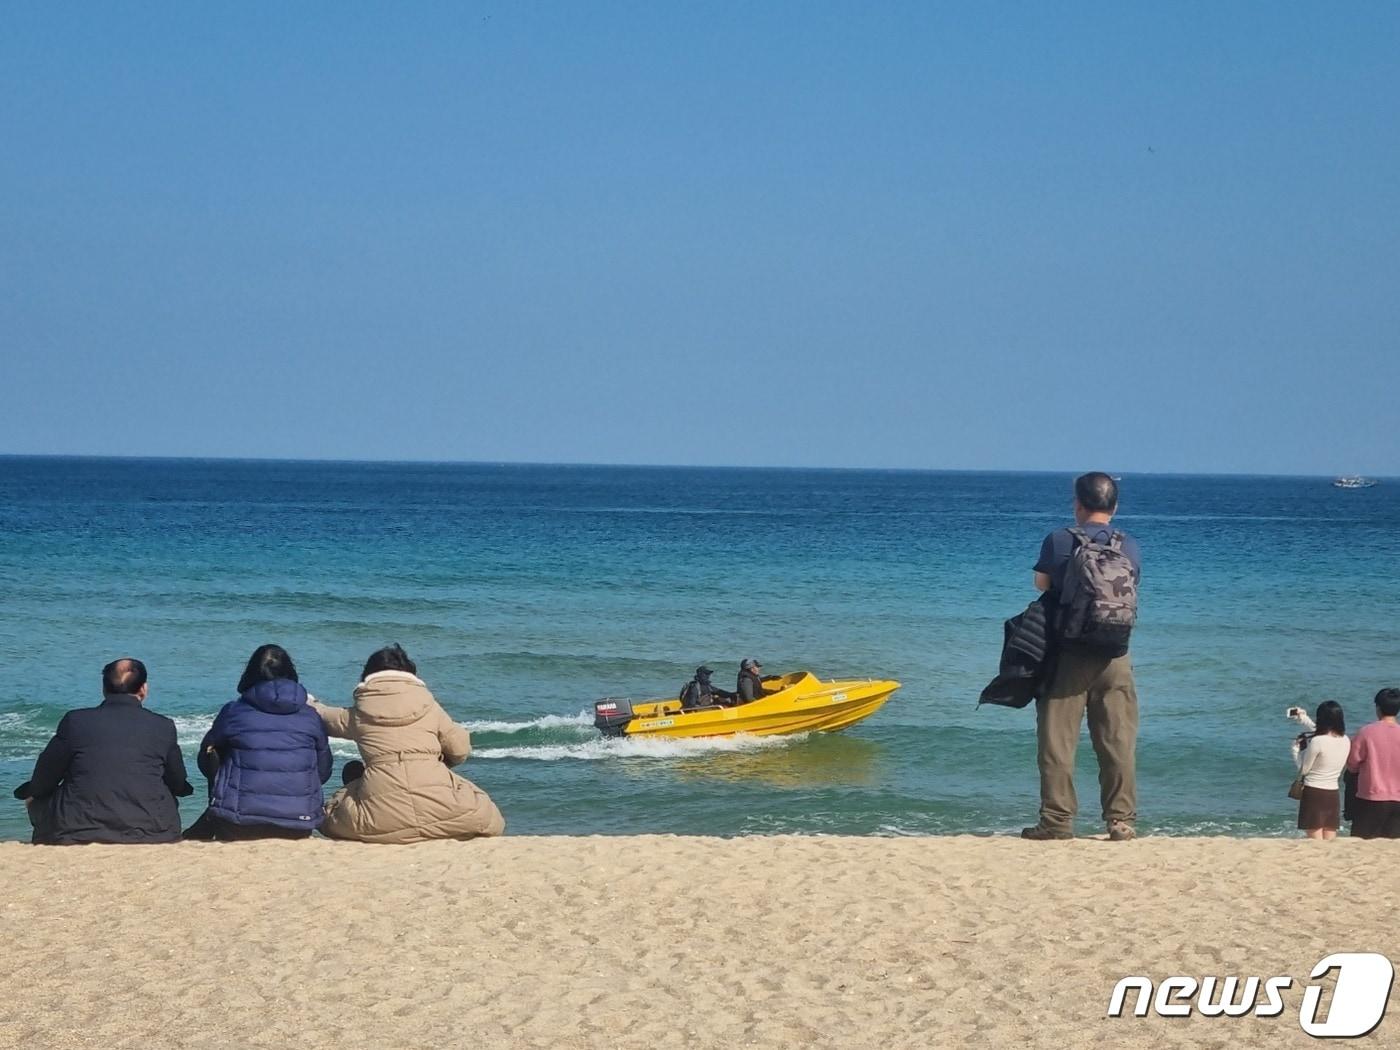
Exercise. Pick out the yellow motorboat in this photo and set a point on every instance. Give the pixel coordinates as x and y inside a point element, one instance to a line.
<point>802,704</point>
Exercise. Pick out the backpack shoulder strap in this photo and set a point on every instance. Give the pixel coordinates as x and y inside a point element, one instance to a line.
<point>1082,538</point>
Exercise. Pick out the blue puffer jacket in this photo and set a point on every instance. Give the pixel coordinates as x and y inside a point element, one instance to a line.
<point>273,758</point>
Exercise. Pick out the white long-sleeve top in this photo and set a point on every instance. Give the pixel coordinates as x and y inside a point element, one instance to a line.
<point>1320,764</point>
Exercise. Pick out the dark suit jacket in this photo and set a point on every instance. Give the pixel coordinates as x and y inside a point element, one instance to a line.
<point>110,774</point>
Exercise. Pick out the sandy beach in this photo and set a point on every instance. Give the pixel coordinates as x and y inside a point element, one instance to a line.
<point>667,941</point>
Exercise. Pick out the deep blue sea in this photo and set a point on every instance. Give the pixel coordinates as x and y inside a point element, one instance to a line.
<point>526,592</point>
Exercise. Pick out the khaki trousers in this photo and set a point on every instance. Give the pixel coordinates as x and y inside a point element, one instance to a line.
<point>1104,687</point>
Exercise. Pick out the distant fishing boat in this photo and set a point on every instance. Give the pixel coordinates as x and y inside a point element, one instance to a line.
<point>1354,481</point>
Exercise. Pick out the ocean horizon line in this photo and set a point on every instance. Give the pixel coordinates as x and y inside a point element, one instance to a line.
<point>84,457</point>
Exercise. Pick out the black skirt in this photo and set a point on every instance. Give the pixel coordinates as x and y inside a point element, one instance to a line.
<point>1320,808</point>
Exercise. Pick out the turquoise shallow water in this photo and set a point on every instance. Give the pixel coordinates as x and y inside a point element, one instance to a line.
<point>526,592</point>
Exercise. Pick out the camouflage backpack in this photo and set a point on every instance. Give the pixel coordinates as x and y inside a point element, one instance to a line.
<point>1100,594</point>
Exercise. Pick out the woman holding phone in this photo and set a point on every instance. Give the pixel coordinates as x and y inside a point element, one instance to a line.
<point>1320,755</point>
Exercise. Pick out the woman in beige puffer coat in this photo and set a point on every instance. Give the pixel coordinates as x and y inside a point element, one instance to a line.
<point>407,793</point>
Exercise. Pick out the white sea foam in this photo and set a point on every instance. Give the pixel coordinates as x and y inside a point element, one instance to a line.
<point>584,719</point>
<point>190,730</point>
<point>600,748</point>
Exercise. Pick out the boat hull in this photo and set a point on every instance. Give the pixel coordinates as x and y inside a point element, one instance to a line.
<point>803,704</point>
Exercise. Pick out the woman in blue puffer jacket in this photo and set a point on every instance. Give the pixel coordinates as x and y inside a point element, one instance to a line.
<point>266,756</point>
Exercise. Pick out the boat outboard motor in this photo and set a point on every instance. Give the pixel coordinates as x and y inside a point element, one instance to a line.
<point>611,716</point>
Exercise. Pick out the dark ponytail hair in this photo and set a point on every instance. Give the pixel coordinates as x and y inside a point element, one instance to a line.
<point>267,663</point>
<point>390,658</point>
<point>1330,719</point>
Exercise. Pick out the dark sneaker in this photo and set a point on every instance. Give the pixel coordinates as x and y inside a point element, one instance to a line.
<point>1121,831</point>
<point>1040,833</point>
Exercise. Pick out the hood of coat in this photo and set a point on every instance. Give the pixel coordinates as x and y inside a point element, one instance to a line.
<point>392,698</point>
<point>281,696</point>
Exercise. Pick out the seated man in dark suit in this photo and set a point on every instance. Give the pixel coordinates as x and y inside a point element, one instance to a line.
<point>111,773</point>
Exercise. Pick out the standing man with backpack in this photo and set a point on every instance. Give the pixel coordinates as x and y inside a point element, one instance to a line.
<point>1091,571</point>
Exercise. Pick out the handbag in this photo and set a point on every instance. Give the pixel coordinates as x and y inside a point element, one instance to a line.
<point>1295,789</point>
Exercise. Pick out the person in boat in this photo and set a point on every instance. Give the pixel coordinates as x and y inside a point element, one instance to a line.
<point>700,691</point>
<point>751,681</point>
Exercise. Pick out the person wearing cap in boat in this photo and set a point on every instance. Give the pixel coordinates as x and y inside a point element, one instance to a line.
<point>751,681</point>
<point>701,692</point>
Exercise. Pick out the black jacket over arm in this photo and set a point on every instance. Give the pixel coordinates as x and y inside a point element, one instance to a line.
<point>110,774</point>
<point>1028,654</point>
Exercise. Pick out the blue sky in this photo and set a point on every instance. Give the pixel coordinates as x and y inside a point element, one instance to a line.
<point>1017,236</point>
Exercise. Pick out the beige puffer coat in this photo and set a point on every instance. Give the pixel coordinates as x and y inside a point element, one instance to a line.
<point>408,793</point>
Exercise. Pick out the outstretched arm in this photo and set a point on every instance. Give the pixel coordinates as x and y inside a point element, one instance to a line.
<point>335,719</point>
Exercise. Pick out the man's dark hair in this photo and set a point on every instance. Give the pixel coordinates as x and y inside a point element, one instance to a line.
<point>1096,492</point>
<point>1330,719</point>
<point>123,677</point>
<point>390,658</point>
<point>1388,703</point>
<point>267,663</point>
